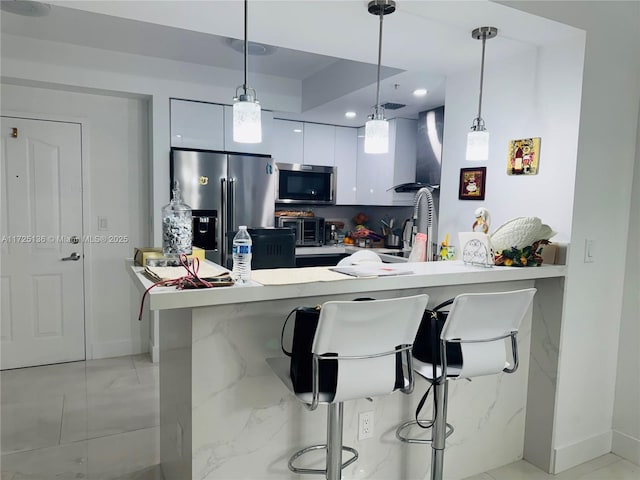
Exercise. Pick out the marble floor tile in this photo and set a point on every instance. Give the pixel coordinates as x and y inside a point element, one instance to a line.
<point>621,470</point>
<point>131,455</point>
<point>577,472</point>
<point>151,473</point>
<point>30,425</point>
<point>91,415</point>
<point>24,384</point>
<point>606,467</point>
<point>61,462</point>
<point>482,476</point>
<point>128,453</point>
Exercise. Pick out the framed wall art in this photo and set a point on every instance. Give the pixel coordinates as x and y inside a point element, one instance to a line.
<point>524,156</point>
<point>472,183</point>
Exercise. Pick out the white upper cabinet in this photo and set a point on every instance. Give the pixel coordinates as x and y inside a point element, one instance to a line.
<point>265,147</point>
<point>197,125</point>
<point>287,143</point>
<point>377,173</point>
<point>319,144</point>
<point>345,158</point>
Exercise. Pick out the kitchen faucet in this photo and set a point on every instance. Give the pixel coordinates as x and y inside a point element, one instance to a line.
<point>423,218</point>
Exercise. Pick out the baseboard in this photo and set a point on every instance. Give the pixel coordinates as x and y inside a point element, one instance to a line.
<point>155,352</point>
<point>116,348</point>
<point>580,452</point>
<point>626,447</point>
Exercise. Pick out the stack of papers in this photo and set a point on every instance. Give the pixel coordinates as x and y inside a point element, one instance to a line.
<point>205,270</point>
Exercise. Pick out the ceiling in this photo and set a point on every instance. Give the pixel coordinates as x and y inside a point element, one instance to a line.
<point>329,46</point>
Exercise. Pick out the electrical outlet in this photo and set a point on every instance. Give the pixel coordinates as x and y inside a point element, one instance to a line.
<point>365,425</point>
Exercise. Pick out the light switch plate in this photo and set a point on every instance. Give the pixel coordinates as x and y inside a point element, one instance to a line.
<point>589,250</point>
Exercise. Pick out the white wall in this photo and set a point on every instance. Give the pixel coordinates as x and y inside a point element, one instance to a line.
<point>534,95</point>
<point>626,415</point>
<point>602,203</point>
<point>115,168</point>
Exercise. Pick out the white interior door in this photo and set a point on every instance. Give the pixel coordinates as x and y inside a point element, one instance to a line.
<point>42,268</point>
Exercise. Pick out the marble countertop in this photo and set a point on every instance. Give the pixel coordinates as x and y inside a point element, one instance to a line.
<point>424,274</point>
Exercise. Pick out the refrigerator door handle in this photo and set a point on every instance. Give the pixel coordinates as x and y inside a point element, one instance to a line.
<point>232,205</point>
<point>223,222</point>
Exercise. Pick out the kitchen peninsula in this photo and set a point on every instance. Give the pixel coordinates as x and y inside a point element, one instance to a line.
<point>225,415</point>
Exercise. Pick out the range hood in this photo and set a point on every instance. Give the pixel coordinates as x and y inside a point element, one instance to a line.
<point>413,187</point>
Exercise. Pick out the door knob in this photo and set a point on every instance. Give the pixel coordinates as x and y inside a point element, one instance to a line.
<point>74,256</point>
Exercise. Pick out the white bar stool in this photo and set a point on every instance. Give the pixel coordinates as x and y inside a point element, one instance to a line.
<point>481,323</point>
<point>371,341</point>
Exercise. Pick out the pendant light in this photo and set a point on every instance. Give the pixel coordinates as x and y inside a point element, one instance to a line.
<point>478,137</point>
<point>247,124</point>
<point>376,130</point>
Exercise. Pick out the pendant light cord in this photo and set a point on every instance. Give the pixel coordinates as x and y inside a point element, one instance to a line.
<point>379,61</point>
<point>246,45</point>
<point>484,41</point>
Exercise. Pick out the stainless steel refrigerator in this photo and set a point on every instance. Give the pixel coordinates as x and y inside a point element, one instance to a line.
<point>224,190</point>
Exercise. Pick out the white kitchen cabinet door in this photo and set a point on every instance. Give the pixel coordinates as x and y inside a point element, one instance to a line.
<point>197,125</point>
<point>405,154</point>
<point>287,141</point>
<point>377,173</point>
<point>319,144</point>
<point>345,159</point>
<point>263,148</point>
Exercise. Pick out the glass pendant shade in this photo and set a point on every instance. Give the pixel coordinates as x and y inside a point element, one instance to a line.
<point>247,124</point>
<point>478,145</point>
<point>247,117</point>
<point>376,136</point>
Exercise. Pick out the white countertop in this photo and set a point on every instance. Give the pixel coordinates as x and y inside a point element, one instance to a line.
<point>425,274</point>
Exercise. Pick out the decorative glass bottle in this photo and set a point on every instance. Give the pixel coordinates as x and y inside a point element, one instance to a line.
<point>177,234</point>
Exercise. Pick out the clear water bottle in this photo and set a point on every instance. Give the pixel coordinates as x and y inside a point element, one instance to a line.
<point>177,233</point>
<point>242,255</point>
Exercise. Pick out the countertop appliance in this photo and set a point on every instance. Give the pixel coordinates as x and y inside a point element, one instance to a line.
<point>308,231</point>
<point>224,190</point>
<point>305,184</point>
<point>272,248</point>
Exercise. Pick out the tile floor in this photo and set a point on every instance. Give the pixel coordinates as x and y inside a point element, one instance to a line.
<point>98,420</point>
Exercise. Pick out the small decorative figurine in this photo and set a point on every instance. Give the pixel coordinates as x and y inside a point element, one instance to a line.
<point>483,219</point>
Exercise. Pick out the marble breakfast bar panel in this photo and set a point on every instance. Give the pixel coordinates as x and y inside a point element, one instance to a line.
<point>238,421</point>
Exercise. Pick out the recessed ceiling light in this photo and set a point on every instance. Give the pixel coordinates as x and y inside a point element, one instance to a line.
<point>297,130</point>
<point>350,114</point>
<point>420,92</point>
<point>254,48</point>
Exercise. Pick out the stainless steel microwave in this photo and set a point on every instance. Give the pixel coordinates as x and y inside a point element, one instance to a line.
<point>308,184</point>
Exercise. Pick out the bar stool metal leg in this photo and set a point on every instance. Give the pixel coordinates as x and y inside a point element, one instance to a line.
<point>334,441</point>
<point>333,448</point>
<point>439,433</point>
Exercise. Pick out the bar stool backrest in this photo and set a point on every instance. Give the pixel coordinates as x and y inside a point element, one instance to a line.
<point>480,322</point>
<point>371,330</point>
